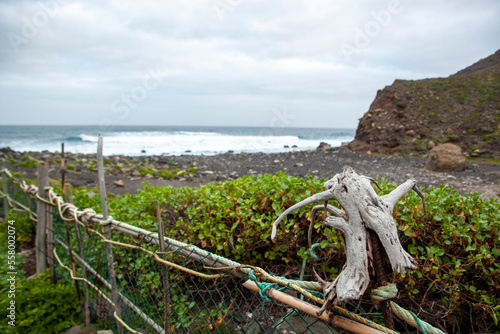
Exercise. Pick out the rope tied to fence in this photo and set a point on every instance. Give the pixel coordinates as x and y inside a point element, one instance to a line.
<point>263,286</point>
<point>312,296</point>
<point>390,291</point>
<point>384,292</point>
<point>96,289</point>
<point>107,221</point>
<point>87,217</point>
<point>89,214</point>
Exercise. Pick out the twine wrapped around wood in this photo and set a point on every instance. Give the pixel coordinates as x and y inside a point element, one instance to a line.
<point>363,209</point>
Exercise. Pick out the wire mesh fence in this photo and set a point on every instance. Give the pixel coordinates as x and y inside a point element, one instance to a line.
<point>180,290</point>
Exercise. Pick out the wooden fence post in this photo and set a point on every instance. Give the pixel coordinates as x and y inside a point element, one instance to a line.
<point>107,233</point>
<point>50,236</point>
<point>166,284</point>
<point>5,189</point>
<point>41,209</point>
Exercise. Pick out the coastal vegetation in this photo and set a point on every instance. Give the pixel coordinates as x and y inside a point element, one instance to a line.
<point>41,306</point>
<point>456,243</point>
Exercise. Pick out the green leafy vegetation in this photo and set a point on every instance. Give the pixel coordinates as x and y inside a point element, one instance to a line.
<point>28,164</point>
<point>24,227</point>
<point>42,307</point>
<point>6,262</point>
<point>146,171</point>
<point>456,244</point>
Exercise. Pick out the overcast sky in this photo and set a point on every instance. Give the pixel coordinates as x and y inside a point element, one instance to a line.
<point>297,63</point>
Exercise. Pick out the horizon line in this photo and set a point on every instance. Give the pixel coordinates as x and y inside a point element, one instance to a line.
<point>174,125</point>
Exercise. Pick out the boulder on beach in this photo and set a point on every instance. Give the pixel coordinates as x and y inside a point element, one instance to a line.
<point>323,147</point>
<point>446,158</point>
<point>119,183</point>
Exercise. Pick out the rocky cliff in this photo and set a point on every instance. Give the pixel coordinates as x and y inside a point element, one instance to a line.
<point>412,116</point>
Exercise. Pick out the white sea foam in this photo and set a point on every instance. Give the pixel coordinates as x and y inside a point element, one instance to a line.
<point>175,142</point>
<point>88,138</point>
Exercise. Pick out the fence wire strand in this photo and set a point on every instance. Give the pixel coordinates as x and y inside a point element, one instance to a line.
<point>201,301</point>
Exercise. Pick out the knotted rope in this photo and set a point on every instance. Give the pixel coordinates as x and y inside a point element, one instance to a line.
<point>87,216</point>
<point>390,291</point>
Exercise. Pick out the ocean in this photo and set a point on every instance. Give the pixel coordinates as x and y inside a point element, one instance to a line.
<point>169,140</point>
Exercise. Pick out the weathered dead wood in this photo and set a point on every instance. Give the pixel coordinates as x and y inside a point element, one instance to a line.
<point>363,209</point>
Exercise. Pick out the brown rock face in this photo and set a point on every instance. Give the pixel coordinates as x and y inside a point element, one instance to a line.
<point>462,109</point>
<point>446,158</point>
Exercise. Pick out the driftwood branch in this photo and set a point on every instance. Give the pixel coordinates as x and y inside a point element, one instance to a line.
<point>363,210</point>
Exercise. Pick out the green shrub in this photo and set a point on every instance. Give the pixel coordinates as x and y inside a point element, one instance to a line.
<point>462,98</point>
<point>456,244</point>
<point>24,226</point>
<point>7,263</point>
<point>42,307</point>
<point>28,164</point>
<point>229,218</point>
<point>166,174</point>
<point>145,171</point>
<point>92,166</point>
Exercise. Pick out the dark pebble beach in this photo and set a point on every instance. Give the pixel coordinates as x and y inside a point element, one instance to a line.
<point>126,174</point>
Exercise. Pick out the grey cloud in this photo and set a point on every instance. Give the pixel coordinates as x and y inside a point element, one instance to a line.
<point>260,55</point>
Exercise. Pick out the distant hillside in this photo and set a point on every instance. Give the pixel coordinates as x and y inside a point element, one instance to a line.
<point>464,108</point>
<point>490,63</point>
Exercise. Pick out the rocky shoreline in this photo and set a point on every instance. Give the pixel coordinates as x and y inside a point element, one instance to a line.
<point>125,174</point>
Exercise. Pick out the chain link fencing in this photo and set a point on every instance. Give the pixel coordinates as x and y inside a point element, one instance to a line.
<point>182,289</point>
